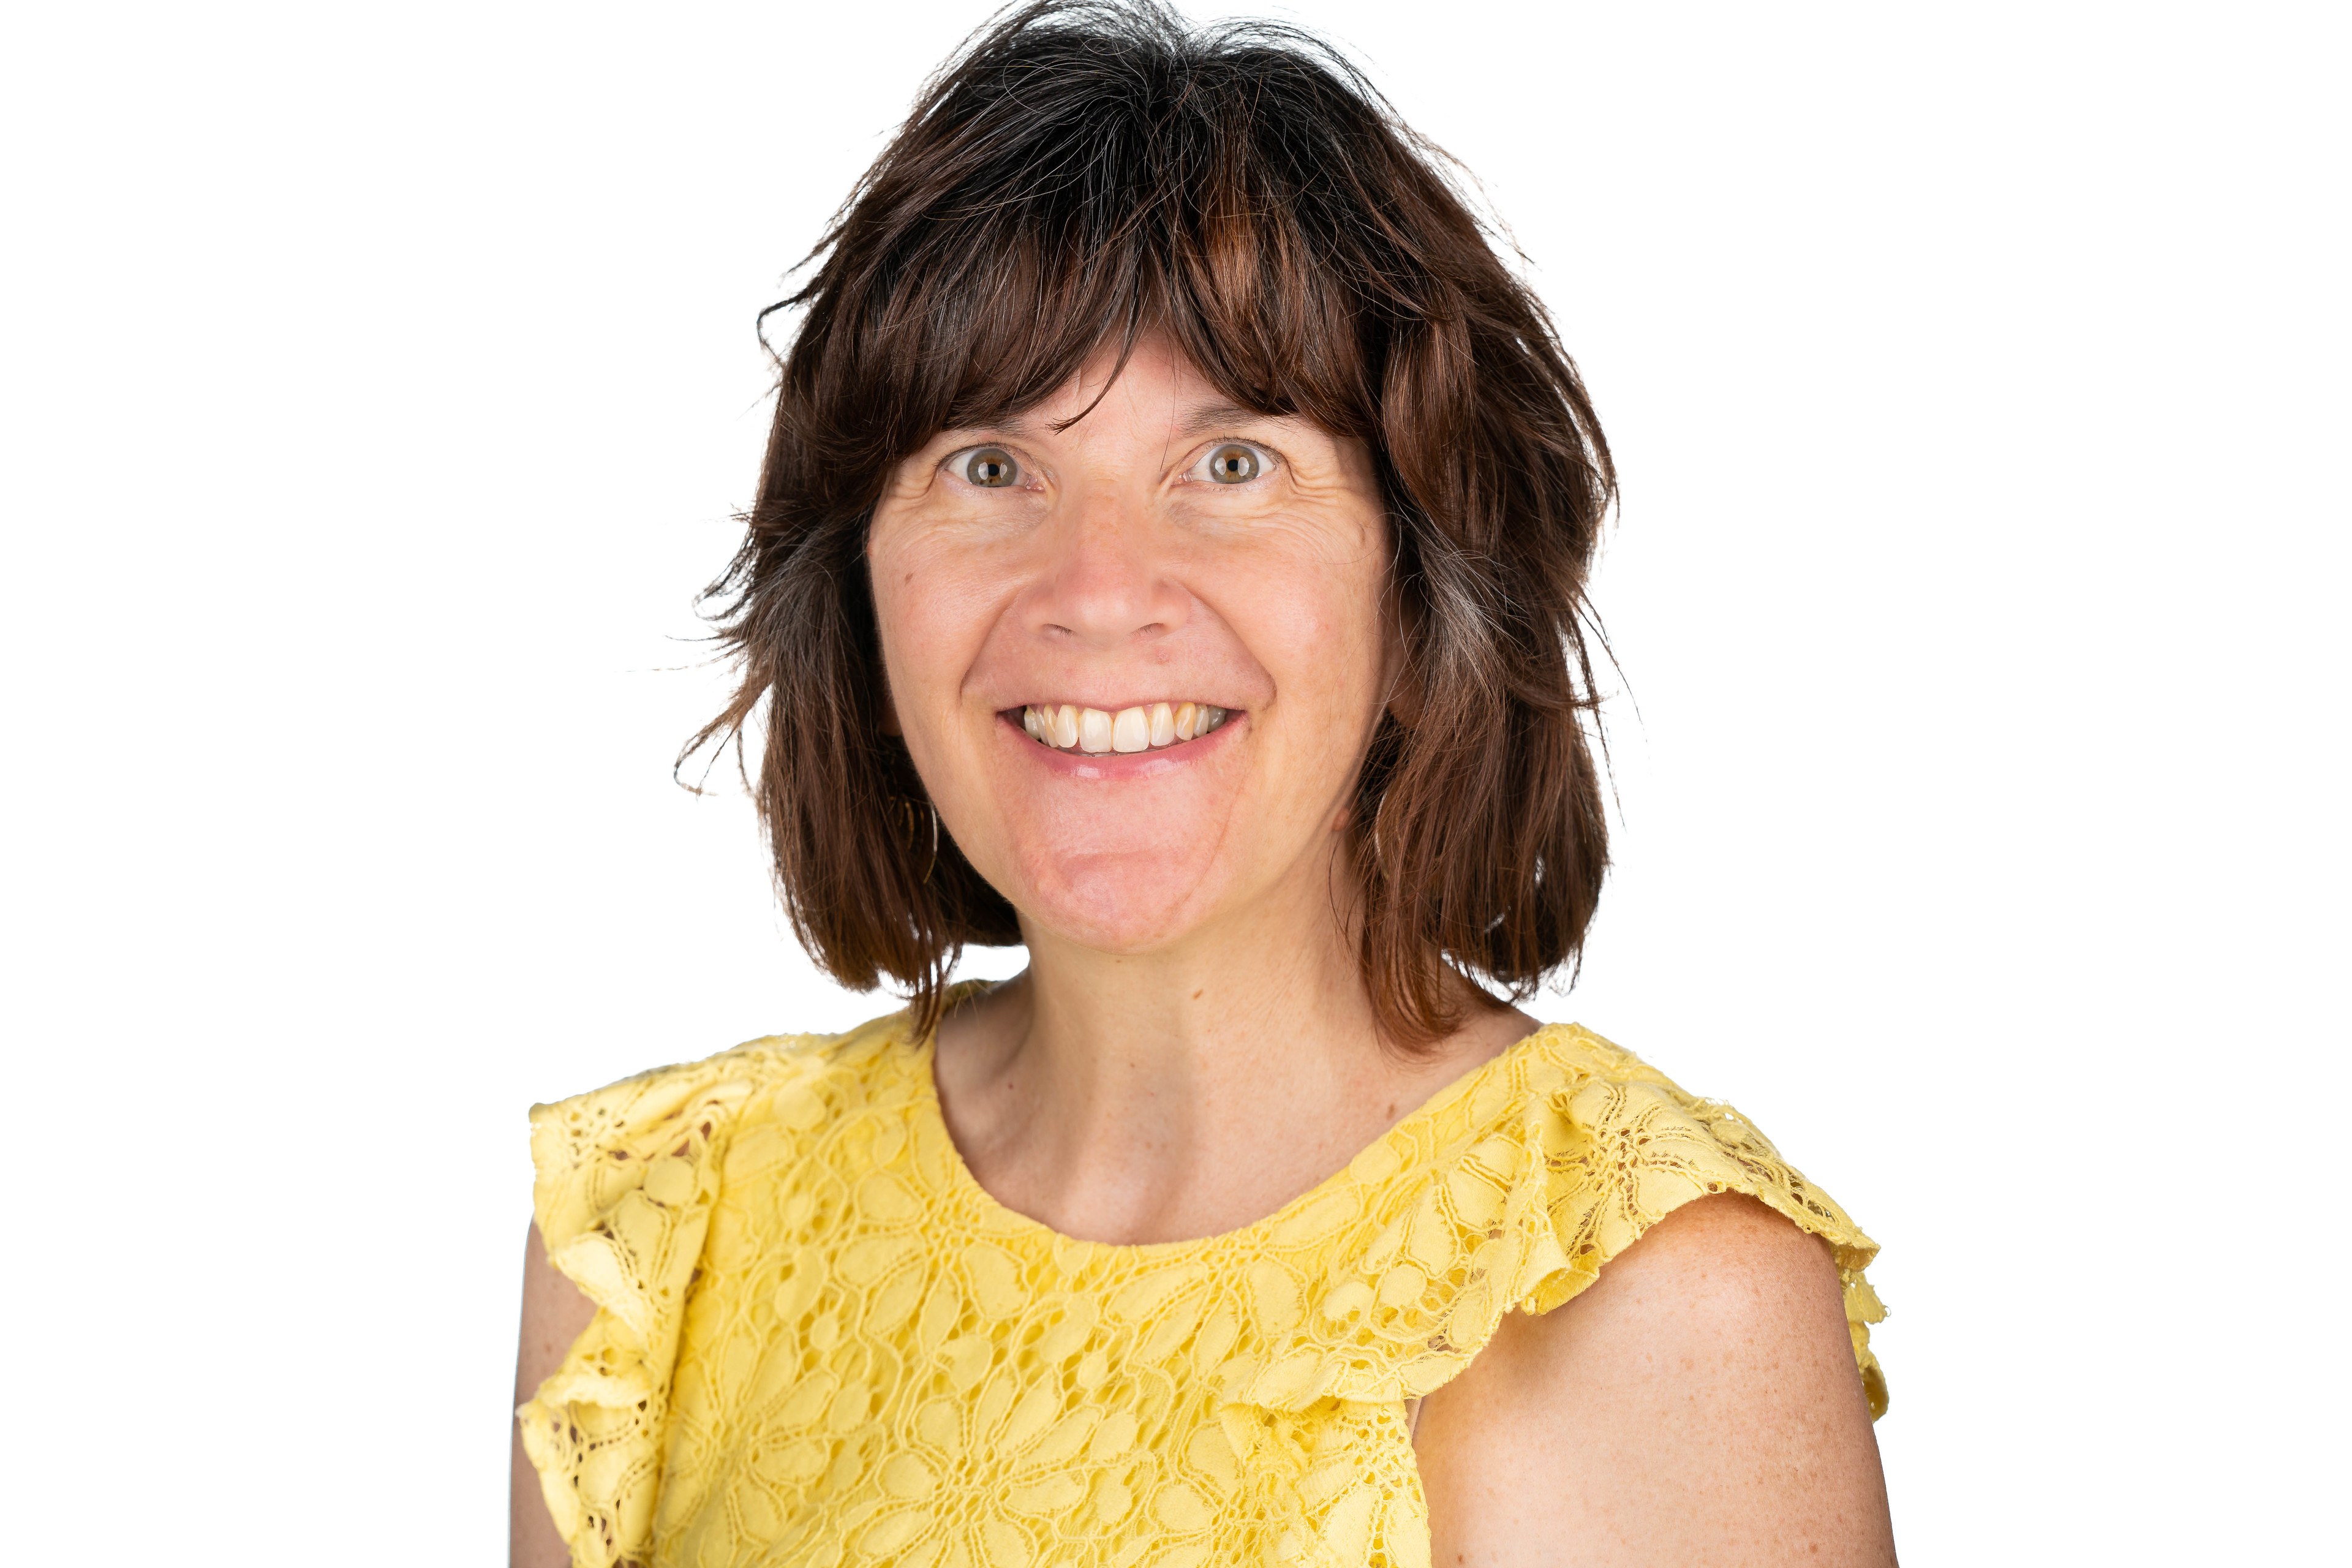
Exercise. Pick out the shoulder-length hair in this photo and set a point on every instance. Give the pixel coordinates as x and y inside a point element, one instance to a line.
<point>1082,173</point>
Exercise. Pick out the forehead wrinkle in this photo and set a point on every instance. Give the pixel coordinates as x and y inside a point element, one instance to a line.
<point>1183,424</point>
<point>1202,418</point>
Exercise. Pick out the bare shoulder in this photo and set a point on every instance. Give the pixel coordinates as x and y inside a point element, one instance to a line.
<point>1699,1402</point>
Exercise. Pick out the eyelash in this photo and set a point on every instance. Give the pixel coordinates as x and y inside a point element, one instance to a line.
<point>1268,460</point>
<point>959,460</point>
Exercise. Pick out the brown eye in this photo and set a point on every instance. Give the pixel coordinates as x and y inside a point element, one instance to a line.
<point>1233,465</point>
<point>991,467</point>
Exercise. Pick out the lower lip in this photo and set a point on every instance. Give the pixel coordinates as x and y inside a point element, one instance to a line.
<point>1122,764</point>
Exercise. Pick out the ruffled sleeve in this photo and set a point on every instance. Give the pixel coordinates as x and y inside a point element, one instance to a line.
<point>1514,1195</point>
<point>627,1177</point>
<point>1624,1148</point>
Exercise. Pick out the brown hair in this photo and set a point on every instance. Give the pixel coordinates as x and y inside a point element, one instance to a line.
<point>1082,173</point>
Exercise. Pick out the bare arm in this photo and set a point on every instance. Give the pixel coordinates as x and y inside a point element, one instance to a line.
<point>554,1313</point>
<point>1698,1403</point>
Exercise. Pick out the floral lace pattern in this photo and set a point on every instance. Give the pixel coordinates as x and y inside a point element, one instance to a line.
<point>820,1342</point>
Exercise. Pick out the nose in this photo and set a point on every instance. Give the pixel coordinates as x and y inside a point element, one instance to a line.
<point>1102,583</point>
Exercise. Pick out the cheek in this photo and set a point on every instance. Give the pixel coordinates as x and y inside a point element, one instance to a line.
<point>1318,625</point>
<point>927,622</point>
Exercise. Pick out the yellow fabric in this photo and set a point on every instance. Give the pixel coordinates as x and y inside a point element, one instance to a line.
<point>822,1342</point>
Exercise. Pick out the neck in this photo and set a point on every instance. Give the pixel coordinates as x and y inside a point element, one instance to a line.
<point>1184,1092</point>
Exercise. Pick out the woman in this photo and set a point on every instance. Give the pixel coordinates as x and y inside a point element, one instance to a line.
<point>1169,557</point>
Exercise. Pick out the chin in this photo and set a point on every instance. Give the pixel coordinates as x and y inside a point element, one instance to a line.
<point>1123,902</point>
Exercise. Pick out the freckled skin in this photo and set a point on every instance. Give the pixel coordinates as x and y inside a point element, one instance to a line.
<point>1697,1403</point>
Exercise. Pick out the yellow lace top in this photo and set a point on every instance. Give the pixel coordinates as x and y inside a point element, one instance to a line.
<point>820,1342</point>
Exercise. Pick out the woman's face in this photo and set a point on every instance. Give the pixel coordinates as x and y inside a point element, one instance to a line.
<point>1042,593</point>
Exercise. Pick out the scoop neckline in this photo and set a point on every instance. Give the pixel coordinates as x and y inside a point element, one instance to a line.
<point>1005,1221</point>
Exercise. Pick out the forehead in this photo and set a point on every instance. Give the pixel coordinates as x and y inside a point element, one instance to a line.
<point>1154,391</point>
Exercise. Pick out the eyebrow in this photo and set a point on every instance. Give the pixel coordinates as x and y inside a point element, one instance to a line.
<point>1210,415</point>
<point>1206,417</point>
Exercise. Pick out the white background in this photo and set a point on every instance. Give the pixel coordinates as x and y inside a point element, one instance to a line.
<point>379,379</point>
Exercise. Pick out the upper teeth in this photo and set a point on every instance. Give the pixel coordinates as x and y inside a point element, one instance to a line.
<point>1072,729</point>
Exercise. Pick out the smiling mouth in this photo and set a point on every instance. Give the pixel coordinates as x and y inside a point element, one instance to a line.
<point>1146,727</point>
